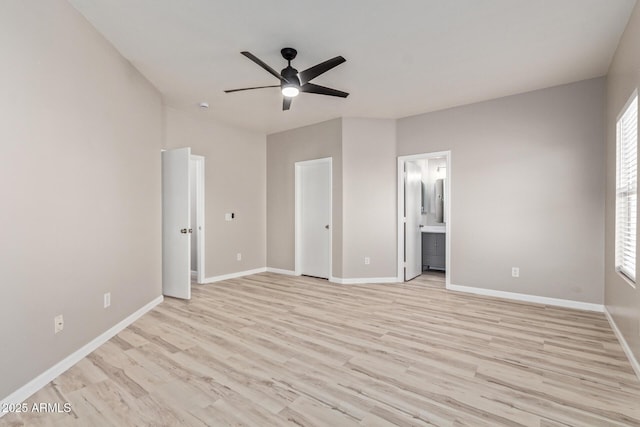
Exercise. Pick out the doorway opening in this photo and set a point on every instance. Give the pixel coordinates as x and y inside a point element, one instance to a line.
<point>424,224</point>
<point>183,232</point>
<point>196,188</point>
<point>313,212</point>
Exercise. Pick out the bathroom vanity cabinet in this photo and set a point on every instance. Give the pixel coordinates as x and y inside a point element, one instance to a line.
<point>433,251</point>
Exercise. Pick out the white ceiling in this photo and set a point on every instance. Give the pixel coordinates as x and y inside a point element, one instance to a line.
<point>404,57</point>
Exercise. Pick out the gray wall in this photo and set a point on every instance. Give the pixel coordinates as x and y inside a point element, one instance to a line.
<point>369,197</point>
<point>235,170</point>
<point>363,152</point>
<point>622,301</point>
<point>527,189</point>
<point>80,183</point>
<point>284,149</point>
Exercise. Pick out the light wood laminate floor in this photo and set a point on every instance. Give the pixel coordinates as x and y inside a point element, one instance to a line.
<point>270,350</point>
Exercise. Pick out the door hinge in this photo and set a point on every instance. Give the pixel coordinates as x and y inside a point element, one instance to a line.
<point>404,219</point>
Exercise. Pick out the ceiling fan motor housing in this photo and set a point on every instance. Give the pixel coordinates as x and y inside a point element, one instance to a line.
<point>290,74</point>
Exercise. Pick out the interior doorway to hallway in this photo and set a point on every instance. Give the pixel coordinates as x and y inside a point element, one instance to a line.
<point>196,189</point>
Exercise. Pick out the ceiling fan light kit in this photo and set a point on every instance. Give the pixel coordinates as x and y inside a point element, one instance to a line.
<point>293,82</point>
<point>290,91</point>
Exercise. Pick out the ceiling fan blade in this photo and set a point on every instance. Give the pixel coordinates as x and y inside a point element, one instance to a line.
<point>310,73</point>
<point>249,88</point>
<point>286,103</point>
<point>321,90</point>
<point>263,65</point>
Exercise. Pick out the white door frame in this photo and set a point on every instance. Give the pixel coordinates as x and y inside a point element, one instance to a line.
<point>298,214</point>
<point>199,225</point>
<point>401,162</point>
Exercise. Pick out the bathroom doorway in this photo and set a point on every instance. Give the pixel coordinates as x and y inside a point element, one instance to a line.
<point>424,224</point>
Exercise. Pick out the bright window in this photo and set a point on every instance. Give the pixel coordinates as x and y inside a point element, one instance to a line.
<point>627,189</point>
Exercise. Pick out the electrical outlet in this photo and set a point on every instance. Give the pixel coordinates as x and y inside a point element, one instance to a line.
<point>367,260</point>
<point>58,322</point>
<point>107,299</point>
<point>515,272</point>
<point>239,256</point>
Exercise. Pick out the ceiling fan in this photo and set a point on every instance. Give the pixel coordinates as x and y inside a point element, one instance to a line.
<point>293,82</point>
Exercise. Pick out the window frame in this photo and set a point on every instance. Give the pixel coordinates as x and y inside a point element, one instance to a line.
<point>626,191</point>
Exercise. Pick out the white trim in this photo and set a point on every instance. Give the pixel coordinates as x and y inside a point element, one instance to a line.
<point>625,346</point>
<point>298,214</point>
<point>27,390</point>
<point>364,280</point>
<point>297,197</point>
<point>400,214</point>
<point>401,220</point>
<point>234,275</point>
<point>281,271</point>
<point>199,164</point>
<point>579,305</point>
<point>194,274</point>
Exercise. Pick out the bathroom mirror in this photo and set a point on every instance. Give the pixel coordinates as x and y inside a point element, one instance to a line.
<point>433,187</point>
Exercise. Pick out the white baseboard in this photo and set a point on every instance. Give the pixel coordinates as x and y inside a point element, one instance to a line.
<point>587,306</point>
<point>340,280</point>
<point>234,275</point>
<point>281,271</point>
<point>363,280</point>
<point>625,346</point>
<point>59,368</point>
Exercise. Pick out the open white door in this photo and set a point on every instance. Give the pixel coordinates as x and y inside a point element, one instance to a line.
<point>314,178</point>
<point>176,228</point>
<point>412,229</point>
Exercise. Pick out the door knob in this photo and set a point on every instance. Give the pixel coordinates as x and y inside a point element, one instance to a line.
<point>183,231</point>
<point>326,226</point>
